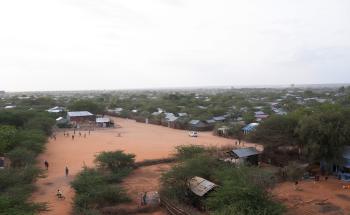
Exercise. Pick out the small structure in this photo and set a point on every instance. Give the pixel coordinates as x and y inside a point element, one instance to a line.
<point>245,155</point>
<point>182,114</point>
<point>210,122</point>
<point>80,116</point>
<point>10,106</point>
<point>171,120</point>
<point>223,131</point>
<point>200,186</point>
<point>198,125</point>
<point>55,109</point>
<point>61,120</point>
<point>150,198</point>
<point>260,115</point>
<point>219,118</point>
<point>250,127</point>
<point>104,122</point>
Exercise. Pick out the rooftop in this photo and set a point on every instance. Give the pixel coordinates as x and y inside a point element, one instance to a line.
<point>245,152</point>
<point>79,113</point>
<point>200,186</point>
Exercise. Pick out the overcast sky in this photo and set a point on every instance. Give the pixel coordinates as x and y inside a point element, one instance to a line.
<point>110,44</point>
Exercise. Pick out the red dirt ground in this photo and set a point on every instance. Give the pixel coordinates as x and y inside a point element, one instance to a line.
<point>145,141</point>
<point>304,200</point>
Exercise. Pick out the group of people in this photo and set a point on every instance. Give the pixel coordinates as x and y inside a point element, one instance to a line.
<point>66,134</point>
<point>59,192</point>
<point>46,163</point>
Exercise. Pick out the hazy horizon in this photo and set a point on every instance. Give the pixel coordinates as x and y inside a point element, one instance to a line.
<point>134,44</point>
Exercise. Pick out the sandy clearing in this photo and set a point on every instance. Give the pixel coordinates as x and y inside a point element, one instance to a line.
<point>330,190</point>
<point>145,141</point>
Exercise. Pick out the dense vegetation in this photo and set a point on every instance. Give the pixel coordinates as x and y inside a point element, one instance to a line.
<point>98,187</point>
<point>316,134</point>
<point>22,137</point>
<point>241,190</point>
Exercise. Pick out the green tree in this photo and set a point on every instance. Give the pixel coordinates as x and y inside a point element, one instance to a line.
<point>7,136</point>
<point>87,105</point>
<point>115,161</point>
<point>324,133</point>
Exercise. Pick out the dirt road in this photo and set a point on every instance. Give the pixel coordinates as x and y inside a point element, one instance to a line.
<point>145,141</point>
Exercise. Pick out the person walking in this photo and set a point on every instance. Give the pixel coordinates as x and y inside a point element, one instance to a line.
<point>67,171</point>
<point>46,164</point>
<point>72,137</point>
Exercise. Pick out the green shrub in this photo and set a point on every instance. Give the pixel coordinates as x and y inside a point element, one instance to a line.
<point>241,190</point>
<point>189,151</point>
<point>97,188</point>
<point>21,157</point>
<point>115,161</point>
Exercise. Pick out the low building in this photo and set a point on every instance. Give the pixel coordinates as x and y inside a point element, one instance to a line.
<point>80,117</point>
<point>104,122</point>
<point>55,110</point>
<point>171,121</point>
<point>198,125</point>
<point>210,122</point>
<point>223,131</point>
<point>200,186</point>
<point>250,127</point>
<point>219,118</point>
<point>245,155</point>
<point>10,106</point>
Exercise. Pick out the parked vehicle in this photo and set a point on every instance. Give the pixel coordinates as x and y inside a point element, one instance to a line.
<point>193,134</point>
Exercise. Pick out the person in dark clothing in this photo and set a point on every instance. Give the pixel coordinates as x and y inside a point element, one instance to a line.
<point>67,171</point>
<point>46,164</point>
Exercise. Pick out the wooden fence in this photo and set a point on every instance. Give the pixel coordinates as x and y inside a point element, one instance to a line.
<point>171,208</point>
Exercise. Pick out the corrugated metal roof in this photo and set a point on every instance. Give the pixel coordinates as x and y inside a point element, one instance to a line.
<point>194,122</point>
<point>210,121</point>
<point>59,118</point>
<point>171,118</point>
<point>200,186</point>
<point>245,152</point>
<point>219,118</point>
<point>250,126</point>
<point>79,113</point>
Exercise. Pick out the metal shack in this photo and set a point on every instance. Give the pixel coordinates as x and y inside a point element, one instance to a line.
<point>80,116</point>
<point>200,186</point>
<point>245,155</point>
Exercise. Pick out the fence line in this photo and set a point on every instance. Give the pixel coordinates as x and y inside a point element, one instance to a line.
<point>171,208</point>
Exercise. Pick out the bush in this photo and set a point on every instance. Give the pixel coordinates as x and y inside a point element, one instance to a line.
<point>21,157</point>
<point>94,191</point>
<point>15,188</point>
<point>97,188</point>
<point>115,161</point>
<point>22,136</point>
<point>189,151</point>
<point>242,189</point>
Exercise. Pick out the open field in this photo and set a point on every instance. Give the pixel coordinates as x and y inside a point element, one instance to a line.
<point>145,141</point>
<point>320,198</point>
